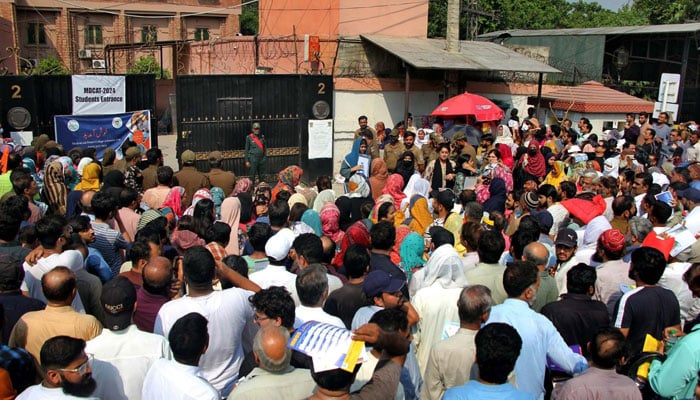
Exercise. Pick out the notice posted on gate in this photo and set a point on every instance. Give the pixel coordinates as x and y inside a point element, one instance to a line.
<point>320,138</point>
<point>99,94</point>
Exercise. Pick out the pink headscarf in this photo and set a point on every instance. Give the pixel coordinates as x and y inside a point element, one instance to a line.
<point>173,200</point>
<point>394,187</point>
<point>200,194</point>
<point>401,232</point>
<point>243,185</point>
<point>231,214</point>
<point>330,217</point>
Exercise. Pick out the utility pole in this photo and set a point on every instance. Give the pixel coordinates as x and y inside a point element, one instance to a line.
<point>473,13</point>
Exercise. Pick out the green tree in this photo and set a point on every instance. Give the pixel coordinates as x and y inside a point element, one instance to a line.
<point>249,19</point>
<point>148,65</point>
<point>668,11</point>
<point>592,15</point>
<point>50,65</point>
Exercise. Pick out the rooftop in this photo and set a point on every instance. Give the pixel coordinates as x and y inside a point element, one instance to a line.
<point>594,97</point>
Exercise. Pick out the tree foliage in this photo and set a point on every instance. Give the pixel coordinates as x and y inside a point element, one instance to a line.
<point>148,65</point>
<point>560,14</point>
<point>249,19</point>
<point>50,65</point>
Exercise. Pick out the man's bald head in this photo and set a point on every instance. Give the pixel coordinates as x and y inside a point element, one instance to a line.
<point>157,275</point>
<point>58,286</point>
<point>608,348</point>
<point>537,253</point>
<point>86,201</point>
<point>270,348</point>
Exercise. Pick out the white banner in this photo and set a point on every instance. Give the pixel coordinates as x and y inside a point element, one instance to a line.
<point>99,94</point>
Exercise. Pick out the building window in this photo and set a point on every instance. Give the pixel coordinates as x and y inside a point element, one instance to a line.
<point>93,35</point>
<point>201,34</point>
<point>36,33</point>
<point>149,34</point>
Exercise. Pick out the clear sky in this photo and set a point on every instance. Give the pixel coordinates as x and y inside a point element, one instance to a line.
<point>611,4</point>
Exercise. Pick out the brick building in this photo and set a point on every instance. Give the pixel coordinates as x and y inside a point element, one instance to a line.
<point>78,31</point>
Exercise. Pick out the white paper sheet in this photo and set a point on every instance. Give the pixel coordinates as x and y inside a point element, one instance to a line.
<point>320,138</point>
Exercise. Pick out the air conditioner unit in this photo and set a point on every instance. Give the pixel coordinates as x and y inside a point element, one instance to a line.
<point>99,64</point>
<point>84,53</point>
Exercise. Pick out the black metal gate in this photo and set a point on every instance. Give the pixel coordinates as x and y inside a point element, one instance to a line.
<point>216,112</point>
<point>37,98</point>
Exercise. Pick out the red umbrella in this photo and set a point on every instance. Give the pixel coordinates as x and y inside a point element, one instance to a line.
<point>465,104</point>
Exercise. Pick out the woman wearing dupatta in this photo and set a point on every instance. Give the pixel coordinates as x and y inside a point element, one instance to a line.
<point>289,178</point>
<point>441,173</point>
<point>421,217</point>
<point>394,188</point>
<point>330,222</point>
<point>90,179</point>
<point>532,163</point>
<point>558,173</point>
<point>55,191</point>
<point>351,163</point>
<point>377,177</point>
<point>231,214</point>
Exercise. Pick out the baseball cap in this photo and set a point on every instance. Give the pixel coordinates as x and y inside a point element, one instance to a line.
<point>278,246</point>
<point>566,237</point>
<point>215,155</point>
<point>187,156</point>
<point>256,125</point>
<point>394,132</point>
<point>118,300</point>
<point>544,219</point>
<point>378,282</point>
<point>690,193</point>
<point>132,152</point>
<point>459,136</point>
<point>612,240</point>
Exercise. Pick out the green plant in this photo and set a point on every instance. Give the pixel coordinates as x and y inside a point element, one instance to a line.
<point>50,65</point>
<point>148,65</point>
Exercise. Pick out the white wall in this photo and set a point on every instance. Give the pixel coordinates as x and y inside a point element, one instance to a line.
<point>387,107</point>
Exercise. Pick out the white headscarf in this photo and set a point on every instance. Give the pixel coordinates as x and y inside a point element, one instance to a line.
<point>594,229</point>
<point>444,268</point>
<point>416,185</point>
<point>506,138</point>
<point>326,196</point>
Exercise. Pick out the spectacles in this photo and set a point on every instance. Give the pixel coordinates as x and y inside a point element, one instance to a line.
<point>258,318</point>
<point>82,368</point>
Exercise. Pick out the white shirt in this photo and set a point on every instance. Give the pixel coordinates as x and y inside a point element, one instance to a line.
<point>672,279</point>
<point>128,355</point>
<point>170,380</point>
<point>230,317</point>
<point>559,214</point>
<point>40,392</point>
<point>437,307</point>
<point>305,314</point>
<point>276,275</point>
<point>72,259</point>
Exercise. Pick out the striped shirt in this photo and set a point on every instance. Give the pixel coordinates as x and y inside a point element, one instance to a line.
<point>110,244</point>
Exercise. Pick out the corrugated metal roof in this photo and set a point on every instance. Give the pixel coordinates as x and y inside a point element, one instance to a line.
<point>612,30</point>
<point>594,97</point>
<point>473,55</point>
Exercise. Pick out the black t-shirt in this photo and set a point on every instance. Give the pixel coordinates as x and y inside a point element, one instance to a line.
<point>577,317</point>
<point>344,302</point>
<point>646,310</point>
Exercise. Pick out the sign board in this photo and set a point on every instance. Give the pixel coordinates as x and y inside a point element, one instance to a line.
<point>671,109</point>
<point>312,47</point>
<point>669,83</point>
<point>102,131</point>
<point>98,94</point>
<point>320,138</point>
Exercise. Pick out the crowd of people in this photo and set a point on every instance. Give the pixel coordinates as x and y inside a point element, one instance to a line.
<point>539,262</point>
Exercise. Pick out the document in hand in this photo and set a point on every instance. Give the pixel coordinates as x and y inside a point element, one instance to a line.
<point>328,346</point>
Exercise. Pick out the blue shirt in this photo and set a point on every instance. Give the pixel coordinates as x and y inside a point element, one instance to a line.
<point>540,340</point>
<point>478,391</point>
